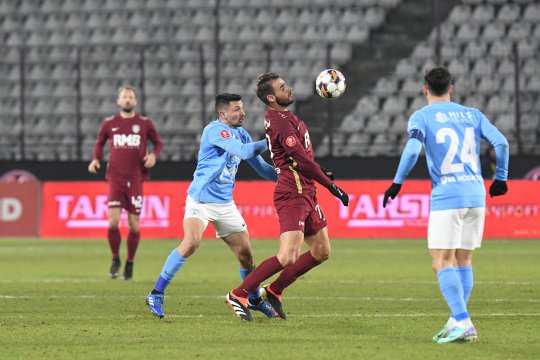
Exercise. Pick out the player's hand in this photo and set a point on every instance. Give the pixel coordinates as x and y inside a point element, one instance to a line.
<point>339,193</point>
<point>149,160</point>
<point>498,188</point>
<point>94,166</point>
<point>391,193</point>
<point>327,172</point>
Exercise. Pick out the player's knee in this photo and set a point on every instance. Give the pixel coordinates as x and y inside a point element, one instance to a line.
<point>287,259</point>
<point>245,258</point>
<point>134,227</point>
<point>188,249</point>
<point>113,224</point>
<point>322,255</point>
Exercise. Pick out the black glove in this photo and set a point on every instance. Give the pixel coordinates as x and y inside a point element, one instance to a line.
<point>498,188</point>
<point>340,194</point>
<point>327,172</point>
<point>391,193</point>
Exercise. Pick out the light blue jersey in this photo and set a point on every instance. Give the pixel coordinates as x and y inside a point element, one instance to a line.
<point>221,150</point>
<point>451,135</point>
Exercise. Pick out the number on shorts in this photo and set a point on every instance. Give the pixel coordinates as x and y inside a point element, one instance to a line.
<point>319,211</point>
<point>137,201</point>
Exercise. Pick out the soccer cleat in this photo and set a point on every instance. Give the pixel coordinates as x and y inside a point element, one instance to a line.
<point>239,306</point>
<point>128,270</point>
<point>115,269</point>
<point>459,334</point>
<point>264,307</point>
<point>441,334</point>
<point>274,300</point>
<point>155,303</point>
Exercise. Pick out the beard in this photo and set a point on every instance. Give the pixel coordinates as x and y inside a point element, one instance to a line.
<point>128,109</point>
<point>284,102</point>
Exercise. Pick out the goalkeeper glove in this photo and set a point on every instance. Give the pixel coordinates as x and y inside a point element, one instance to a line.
<point>498,188</point>
<point>327,172</point>
<point>391,193</point>
<point>340,194</point>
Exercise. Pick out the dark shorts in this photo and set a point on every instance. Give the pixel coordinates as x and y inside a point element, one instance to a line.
<point>299,212</point>
<point>125,194</point>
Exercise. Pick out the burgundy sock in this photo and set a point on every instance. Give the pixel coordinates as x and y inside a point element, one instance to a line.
<point>262,272</point>
<point>132,244</point>
<point>305,262</point>
<point>114,242</point>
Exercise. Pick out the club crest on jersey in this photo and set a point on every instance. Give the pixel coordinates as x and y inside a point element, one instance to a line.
<point>225,134</point>
<point>136,128</point>
<point>291,141</point>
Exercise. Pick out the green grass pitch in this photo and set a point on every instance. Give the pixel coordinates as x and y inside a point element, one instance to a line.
<point>371,300</point>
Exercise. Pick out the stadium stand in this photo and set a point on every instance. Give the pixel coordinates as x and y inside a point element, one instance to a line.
<point>478,40</point>
<point>478,37</point>
<point>51,31</point>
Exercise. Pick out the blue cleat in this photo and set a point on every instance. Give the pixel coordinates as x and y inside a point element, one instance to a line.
<point>263,306</point>
<point>155,303</point>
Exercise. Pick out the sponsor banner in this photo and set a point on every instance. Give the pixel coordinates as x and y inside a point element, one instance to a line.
<point>19,209</point>
<point>514,215</point>
<point>78,209</point>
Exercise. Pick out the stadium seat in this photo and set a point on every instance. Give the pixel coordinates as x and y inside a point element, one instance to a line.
<point>518,31</point>
<point>459,14</point>
<point>483,14</point>
<point>508,13</point>
<point>532,13</point>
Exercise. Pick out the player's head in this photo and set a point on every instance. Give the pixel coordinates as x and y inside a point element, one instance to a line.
<point>438,82</point>
<point>272,90</point>
<point>127,99</point>
<point>230,109</point>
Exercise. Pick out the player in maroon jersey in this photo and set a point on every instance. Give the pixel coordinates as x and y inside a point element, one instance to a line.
<point>128,134</point>
<point>300,217</point>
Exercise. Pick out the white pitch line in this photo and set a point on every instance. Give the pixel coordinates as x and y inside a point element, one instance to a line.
<point>307,281</point>
<point>300,298</point>
<point>360,315</point>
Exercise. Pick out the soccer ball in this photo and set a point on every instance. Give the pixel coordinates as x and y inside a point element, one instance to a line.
<point>330,84</point>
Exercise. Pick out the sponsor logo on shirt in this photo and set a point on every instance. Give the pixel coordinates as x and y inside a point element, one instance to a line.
<point>123,140</point>
<point>441,117</point>
<point>225,134</point>
<point>291,141</point>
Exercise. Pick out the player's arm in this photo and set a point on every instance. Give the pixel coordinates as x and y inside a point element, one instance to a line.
<point>150,159</point>
<point>222,138</point>
<point>502,156</point>
<point>408,159</point>
<point>262,168</point>
<point>98,149</point>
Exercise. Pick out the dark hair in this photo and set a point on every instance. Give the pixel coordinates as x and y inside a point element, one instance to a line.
<point>438,80</point>
<point>264,85</point>
<point>224,99</point>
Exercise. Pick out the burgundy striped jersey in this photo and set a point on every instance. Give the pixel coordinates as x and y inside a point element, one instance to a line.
<point>292,153</point>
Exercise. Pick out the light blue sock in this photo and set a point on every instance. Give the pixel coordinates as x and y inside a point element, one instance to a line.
<point>466,276</point>
<point>243,274</point>
<point>450,286</point>
<point>172,265</point>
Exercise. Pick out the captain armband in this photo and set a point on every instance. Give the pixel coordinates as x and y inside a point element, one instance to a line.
<point>416,134</point>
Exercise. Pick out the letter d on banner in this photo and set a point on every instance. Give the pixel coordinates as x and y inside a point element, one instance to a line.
<point>10,209</point>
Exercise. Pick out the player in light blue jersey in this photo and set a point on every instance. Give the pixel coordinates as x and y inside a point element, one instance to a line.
<point>224,143</point>
<point>451,134</point>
